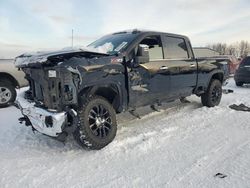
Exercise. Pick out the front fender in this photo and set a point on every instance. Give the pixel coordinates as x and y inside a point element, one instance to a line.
<point>106,77</point>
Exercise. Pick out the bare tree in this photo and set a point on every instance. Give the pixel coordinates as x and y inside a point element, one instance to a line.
<point>238,49</point>
<point>244,48</point>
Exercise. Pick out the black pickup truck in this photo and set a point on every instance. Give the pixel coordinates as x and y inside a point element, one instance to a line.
<point>80,91</point>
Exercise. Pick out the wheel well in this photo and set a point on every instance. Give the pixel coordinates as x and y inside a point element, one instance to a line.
<point>8,77</point>
<point>201,89</point>
<point>218,76</point>
<point>109,92</point>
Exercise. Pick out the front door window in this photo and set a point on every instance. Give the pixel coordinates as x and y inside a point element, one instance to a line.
<point>155,47</point>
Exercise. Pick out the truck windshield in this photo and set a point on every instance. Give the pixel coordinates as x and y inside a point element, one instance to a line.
<point>113,44</point>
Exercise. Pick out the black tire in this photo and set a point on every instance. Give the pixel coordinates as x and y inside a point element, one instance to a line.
<point>213,95</point>
<point>7,93</point>
<point>97,123</point>
<point>239,84</point>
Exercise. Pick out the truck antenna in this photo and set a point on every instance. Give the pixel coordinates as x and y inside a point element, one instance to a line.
<point>72,38</point>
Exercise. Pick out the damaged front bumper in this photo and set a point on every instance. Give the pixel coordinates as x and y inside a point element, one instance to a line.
<point>44,121</point>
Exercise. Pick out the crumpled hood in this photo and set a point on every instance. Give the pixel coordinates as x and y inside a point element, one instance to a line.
<point>39,58</point>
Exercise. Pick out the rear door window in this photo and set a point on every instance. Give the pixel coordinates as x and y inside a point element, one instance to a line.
<point>175,48</point>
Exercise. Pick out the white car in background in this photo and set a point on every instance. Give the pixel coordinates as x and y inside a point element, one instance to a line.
<point>10,79</point>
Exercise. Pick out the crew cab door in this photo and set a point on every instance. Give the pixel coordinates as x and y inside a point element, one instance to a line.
<point>149,82</point>
<point>181,65</point>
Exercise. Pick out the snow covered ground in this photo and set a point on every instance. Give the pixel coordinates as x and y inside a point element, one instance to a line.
<point>184,145</point>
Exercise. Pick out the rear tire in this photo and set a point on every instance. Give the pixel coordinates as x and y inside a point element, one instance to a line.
<point>239,84</point>
<point>213,95</point>
<point>7,93</point>
<point>97,123</point>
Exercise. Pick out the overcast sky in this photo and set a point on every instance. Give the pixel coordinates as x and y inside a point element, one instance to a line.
<point>28,25</point>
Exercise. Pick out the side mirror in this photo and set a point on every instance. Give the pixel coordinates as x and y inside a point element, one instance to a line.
<point>142,54</point>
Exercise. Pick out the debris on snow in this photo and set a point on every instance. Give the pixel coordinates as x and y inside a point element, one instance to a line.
<point>220,175</point>
<point>240,107</point>
<point>226,91</point>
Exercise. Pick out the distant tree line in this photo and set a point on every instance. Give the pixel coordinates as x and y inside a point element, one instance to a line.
<point>238,49</point>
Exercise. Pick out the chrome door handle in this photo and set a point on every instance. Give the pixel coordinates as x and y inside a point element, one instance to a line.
<point>192,65</point>
<point>163,68</point>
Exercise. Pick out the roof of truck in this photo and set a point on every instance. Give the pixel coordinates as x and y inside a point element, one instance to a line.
<point>137,31</point>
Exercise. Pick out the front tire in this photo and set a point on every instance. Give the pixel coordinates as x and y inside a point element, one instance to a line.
<point>97,123</point>
<point>213,95</point>
<point>7,93</point>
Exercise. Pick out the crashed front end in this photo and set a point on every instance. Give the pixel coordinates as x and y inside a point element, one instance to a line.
<point>50,103</point>
<point>44,121</point>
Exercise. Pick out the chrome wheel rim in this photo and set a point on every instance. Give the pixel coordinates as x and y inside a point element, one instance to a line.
<point>216,94</point>
<point>100,122</point>
<point>5,95</point>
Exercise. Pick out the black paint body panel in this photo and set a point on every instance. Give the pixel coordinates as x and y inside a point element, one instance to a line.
<point>135,85</point>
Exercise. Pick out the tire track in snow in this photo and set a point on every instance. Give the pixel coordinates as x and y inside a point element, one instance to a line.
<point>151,132</point>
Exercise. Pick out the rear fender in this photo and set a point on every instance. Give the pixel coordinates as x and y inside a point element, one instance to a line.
<point>204,80</point>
